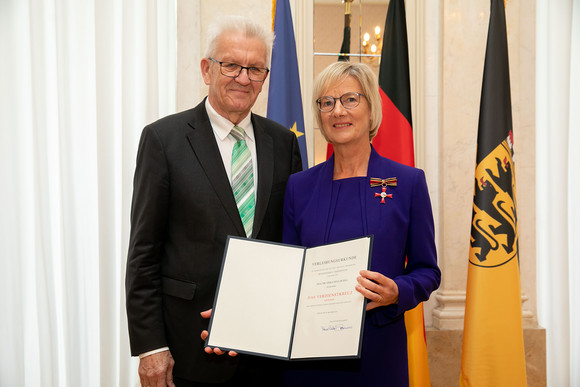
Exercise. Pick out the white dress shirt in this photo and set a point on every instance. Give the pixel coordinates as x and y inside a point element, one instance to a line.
<point>221,129</point>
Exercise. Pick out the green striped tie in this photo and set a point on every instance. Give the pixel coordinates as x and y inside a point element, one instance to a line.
<point>243,179</point>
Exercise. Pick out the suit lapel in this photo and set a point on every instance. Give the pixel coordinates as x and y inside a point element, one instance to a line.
<point>265,156</point>
<point>324,207</point>
<point>202,141</point>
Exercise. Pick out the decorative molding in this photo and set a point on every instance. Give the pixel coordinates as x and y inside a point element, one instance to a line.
<point>450,311</point>
<point>528,318</point>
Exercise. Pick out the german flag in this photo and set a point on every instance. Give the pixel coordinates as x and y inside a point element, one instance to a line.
<point>395,136</point>
<point>493,344</point>
<point>395,141</point>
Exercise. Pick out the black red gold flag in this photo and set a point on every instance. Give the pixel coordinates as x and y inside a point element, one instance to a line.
<point>395,136</point>
<point>395,141</point>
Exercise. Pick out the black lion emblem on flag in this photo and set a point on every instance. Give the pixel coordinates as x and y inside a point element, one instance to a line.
<point>494,235</point>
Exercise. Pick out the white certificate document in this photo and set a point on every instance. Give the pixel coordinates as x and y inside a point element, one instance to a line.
<point>330,311</point>
<point>290,302</point>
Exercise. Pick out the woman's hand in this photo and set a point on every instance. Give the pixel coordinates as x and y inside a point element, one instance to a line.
<point>380,290</point>
<point>204,334</point>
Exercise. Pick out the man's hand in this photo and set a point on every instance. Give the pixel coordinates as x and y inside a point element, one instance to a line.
<point>157,370</point>
<point>204,334</point>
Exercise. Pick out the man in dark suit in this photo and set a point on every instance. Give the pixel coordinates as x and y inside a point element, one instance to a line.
<point>184,208</point>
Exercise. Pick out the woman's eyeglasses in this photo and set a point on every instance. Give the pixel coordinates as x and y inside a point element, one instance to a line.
<point>349,101</point>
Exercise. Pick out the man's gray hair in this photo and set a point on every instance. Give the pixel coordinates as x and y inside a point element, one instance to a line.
<point>239,25</point>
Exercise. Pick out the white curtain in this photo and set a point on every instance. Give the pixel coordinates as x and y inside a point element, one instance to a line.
<point>558,186</point>
<point>79,80</point>
<point>574,197</point>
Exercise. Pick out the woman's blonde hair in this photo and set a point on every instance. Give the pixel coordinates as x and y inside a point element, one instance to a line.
<point>337,72</point>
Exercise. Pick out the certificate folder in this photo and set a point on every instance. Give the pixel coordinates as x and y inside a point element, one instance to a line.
<point>290,302</point>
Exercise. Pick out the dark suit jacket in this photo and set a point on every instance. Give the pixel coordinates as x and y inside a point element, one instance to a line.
<point>183,209</point>
<point>402,228</point>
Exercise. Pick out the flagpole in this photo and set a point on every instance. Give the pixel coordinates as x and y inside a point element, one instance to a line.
<point>347,15</point>
<point>345,48</point>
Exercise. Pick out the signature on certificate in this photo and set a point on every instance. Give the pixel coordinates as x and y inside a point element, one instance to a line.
<point>335,327</point>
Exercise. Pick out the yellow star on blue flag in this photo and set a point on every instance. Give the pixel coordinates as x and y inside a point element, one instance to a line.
<point>295,131</point>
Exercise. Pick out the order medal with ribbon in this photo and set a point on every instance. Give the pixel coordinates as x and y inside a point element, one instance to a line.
<point>384,183</point>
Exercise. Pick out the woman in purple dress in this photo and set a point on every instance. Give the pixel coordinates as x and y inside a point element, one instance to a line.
<point>356,193</point>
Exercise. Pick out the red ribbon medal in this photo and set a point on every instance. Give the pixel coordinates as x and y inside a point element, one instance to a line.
<point>384,183</point>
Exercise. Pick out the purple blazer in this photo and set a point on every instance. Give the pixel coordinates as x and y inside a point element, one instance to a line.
<point>403,229</point>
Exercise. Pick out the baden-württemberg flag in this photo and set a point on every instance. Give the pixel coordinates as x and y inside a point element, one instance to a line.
<point>493,345</point>
<point>284,98</point>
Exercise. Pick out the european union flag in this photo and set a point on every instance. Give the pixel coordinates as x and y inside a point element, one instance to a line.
<point>284,98</point>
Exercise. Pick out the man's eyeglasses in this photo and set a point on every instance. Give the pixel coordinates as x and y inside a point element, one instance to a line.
<point>349,101</point>
<point>233,70</point>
